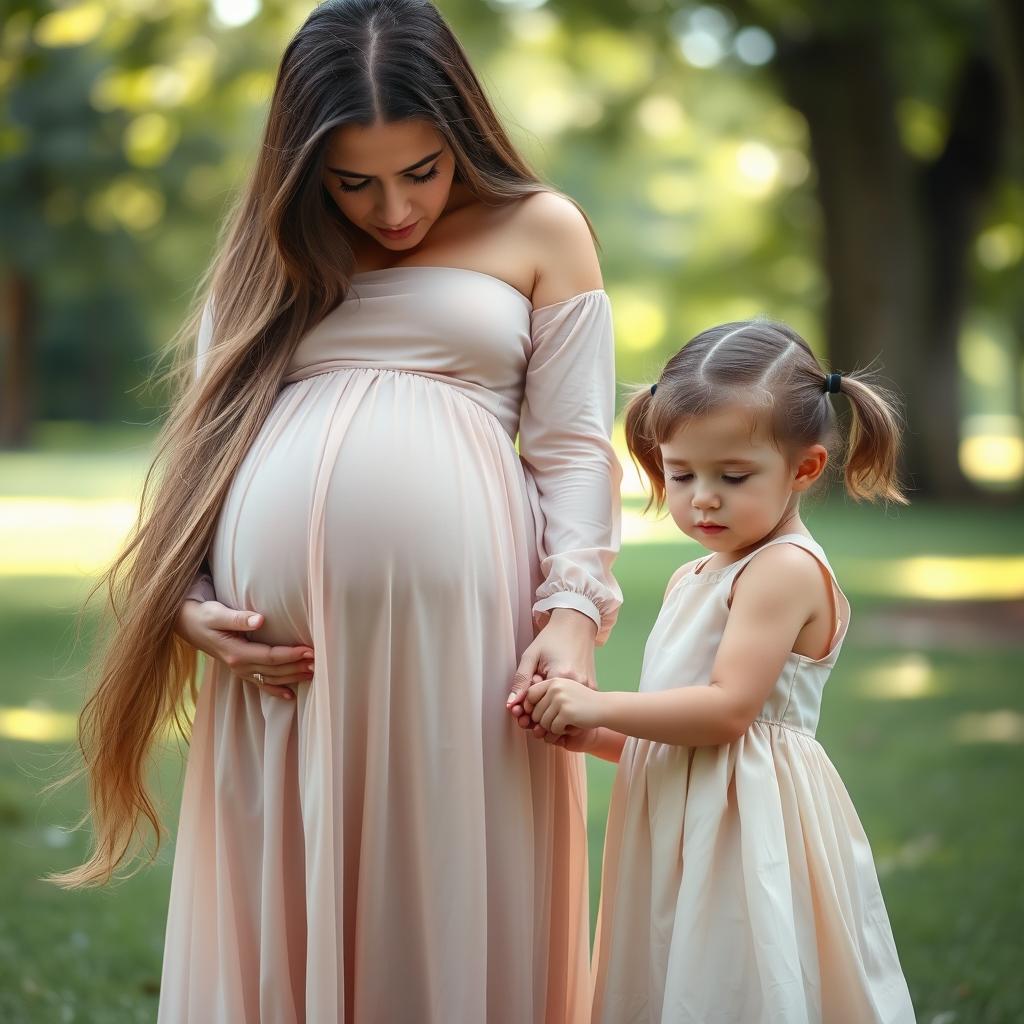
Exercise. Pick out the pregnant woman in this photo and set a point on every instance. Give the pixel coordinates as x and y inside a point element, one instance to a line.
<point>365,835</point>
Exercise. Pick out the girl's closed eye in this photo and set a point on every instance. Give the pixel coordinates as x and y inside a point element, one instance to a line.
<point>683,478</point>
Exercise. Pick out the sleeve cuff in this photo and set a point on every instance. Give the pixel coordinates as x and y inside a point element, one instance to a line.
<point>566,599</point>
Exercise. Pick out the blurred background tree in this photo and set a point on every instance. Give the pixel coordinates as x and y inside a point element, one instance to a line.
<point>854,169</point>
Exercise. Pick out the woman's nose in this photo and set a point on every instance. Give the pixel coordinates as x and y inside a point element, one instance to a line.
<point>394,210</point>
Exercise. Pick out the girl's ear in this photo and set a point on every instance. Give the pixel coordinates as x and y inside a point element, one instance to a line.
<point>809,467</point>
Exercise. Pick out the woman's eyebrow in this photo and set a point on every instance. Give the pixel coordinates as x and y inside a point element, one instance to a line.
<point>405,170</point>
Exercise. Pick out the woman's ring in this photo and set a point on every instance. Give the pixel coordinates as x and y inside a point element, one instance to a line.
<point>258,676</point>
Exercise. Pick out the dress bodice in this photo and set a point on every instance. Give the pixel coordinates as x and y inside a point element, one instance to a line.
<point>474,331</point>
<point>685,639</point>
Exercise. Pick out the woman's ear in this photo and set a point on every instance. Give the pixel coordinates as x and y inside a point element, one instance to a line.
<point>809,466</point>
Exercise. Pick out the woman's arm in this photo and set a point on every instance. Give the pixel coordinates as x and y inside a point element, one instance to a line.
<point>216,630</point>
<point>572,471</point>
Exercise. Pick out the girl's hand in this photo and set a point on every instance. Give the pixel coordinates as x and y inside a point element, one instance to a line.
<point>564,648</point>
<point>580,741</point>
<point>213,628</point>
<point>561,704</point>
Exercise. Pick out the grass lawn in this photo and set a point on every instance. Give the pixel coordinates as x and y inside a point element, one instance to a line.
<point>925,723</point>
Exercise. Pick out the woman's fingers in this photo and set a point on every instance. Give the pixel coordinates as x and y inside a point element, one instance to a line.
<point>271,689</point>
<point>520,684</point>
<point>245,656</point>
<point>264,654</point>
<point>528,667</point>
<point>233,620</point>
<point>293,672</point>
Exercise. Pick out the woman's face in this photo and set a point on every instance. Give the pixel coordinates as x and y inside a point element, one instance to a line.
<point>391,180</point>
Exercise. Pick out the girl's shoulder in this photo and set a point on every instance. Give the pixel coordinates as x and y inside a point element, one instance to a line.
<point>683,570</point>
<point>790,568</point>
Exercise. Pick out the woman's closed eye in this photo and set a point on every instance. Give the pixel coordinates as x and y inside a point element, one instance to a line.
<point>416,179</point>
<point>419,179</point>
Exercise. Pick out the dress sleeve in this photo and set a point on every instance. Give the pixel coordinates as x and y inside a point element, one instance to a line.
<point>572,471</point>
<point>202,588</point>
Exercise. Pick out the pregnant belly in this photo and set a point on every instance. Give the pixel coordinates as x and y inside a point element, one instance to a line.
<point>422,498</point>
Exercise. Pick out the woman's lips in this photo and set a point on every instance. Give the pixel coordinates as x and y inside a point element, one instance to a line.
<point>400,233</point>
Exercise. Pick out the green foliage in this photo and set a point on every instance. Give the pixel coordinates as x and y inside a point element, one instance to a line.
<point>126,131</point>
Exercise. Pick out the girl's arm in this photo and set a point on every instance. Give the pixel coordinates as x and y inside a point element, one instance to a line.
<point>603,743</point>
<point>778,593</point>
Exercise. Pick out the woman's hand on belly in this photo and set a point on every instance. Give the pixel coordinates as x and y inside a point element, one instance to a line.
<point>214,629</point>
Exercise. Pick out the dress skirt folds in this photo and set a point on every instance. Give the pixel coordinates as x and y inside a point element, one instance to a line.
<point>389,847</point>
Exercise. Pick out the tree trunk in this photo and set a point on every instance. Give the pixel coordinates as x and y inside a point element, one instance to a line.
<point>954,188</point>
<point>16,388</point>
<point>872,240</point>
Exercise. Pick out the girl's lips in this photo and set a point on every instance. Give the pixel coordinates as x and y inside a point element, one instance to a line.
<point>710,527</point>
<point>400,233</point>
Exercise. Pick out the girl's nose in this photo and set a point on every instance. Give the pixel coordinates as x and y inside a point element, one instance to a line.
<point>705,499</point>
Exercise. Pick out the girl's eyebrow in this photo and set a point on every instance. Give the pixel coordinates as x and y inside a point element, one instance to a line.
<point>405,170</point>
<point>718,462</point>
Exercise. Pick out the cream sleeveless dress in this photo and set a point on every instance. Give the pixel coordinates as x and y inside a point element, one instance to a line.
<point>390,847</point>
<point>739,886</point>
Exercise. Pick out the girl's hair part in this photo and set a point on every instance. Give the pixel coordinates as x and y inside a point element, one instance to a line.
<point>769,364</point>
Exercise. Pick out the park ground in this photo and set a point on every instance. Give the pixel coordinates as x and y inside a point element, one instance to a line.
<point>923,717</point>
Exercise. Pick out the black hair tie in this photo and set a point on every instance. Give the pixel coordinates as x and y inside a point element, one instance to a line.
<point>832,383</point>
<point>654,387</point>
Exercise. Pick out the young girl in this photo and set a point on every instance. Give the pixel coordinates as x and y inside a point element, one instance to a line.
<point>738,883</point>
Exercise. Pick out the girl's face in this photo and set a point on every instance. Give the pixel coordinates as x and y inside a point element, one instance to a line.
<point>392,181</point>
<point>727,485</point>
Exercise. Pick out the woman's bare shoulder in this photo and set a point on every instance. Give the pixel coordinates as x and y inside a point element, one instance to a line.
<point>561,246</point>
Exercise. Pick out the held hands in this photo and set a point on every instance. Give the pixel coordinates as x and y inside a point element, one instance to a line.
<point>564,709</point>
<point>563,649</point>
<point>214,629</point>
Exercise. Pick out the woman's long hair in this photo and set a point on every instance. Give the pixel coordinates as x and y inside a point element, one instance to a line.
<point>284,262</point>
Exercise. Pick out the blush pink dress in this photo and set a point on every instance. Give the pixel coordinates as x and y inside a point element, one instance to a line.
<point>738,884</point>
<point>390,847</point>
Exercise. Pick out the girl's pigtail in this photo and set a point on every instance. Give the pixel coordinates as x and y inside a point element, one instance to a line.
<point>643,447</point>
<point>873,446</point>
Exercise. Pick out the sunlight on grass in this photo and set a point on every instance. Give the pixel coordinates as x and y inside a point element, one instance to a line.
<point>61,536</point>
<point>1003,726</point>
<point>942,578</point>
<point>37,725</point>
<point>78,537</point>
<point>904,678</point>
